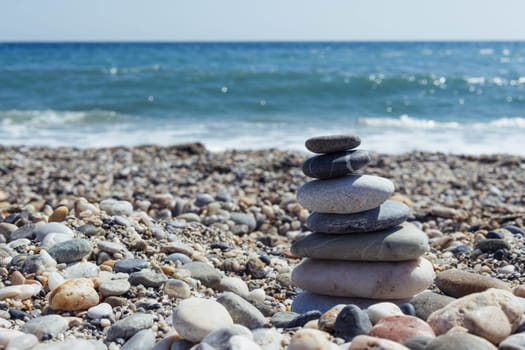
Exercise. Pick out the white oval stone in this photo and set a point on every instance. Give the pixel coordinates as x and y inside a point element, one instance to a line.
<point>346,194</point>
<point>380,310</point>
<point>6,335</point>
<point>102,310</point>
<point>377,280</point>
<point>195,318</point>
<point>311,339</point>
<point>20,291</point>
<point>26,341</point>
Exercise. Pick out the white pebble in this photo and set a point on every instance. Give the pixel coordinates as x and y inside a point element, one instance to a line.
<point>381,310</point>
<point>54,280</point>
<point>257,295</point>
<point>102,310</point>
<point>21,291</point>
<point>23,342</point>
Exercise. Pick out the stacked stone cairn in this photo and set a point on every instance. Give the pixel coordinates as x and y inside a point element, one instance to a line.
<point>362,251</point>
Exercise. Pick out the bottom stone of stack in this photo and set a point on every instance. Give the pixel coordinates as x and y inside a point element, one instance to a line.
<point>307,301</point>
<point>363,279</point>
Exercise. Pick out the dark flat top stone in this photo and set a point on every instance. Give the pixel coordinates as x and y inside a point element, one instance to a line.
<point>332,143</point>
<point>389,214</point>
<point>336,164</point>
<point>398,243</point>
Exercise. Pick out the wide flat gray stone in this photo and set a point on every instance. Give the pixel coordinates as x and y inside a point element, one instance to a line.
<point>337,164</point>
<point>400,243</point>
<point>332,143</point>
<point>389,214</point>
<point>345,195</point>
<point>307,301</point>
<point>377,280</point>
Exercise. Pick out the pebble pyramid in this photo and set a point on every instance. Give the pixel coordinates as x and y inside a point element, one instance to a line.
<point>361,246</point>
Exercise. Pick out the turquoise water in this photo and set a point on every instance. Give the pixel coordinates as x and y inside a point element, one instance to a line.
<point>451,97</point>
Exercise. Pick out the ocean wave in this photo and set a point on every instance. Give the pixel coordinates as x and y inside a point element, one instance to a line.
<point>49,117</point>
<point>405,121</point>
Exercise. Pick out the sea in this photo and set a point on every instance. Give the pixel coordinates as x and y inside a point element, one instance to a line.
<point>452,97</point>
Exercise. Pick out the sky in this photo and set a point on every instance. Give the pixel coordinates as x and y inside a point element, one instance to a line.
<point>263,20</point>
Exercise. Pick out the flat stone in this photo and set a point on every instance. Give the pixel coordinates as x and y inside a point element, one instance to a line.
<point>459,341</point>
<point>241,311</point>
<point>144,339</point>
<point>70,251</point>
<point>378,280</point>
<point>513,342</point>
<point>381,310</point>
<point>457,283</point>
<point>44,326</point>
<point>74,295</point>
<point>400,243</point>
<point>179,257</point>
<point>454,314</point>
<point>281,319</point>
<point>332,165</point>
<point>427,302</point>
<point>332,143</point>
<point>234,285</point>
<point>491,245</point>
<point>400,328</point>
<point>114,287</point>
<point>351,322</point>
<point>129,326</point>
<point>20,291</point>
<point>207,274</point>
<point>389,214</point>
<point>307,301</point>
<point>244,219</point>
<point>365,342</point>
<point>41,231</point>
<point>148,278</point>
<point>195,318</point>
<point>130,265</point>
<point>345,195</point>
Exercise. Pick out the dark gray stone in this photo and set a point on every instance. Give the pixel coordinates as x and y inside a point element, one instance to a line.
<point>389,214</point>
<point>147,278</point>
<point>70,251</point>
<point>145,339</point>
<point>183,259</point>
<point>417,343</point>
<point>27,231</point>
<point>514,229</point>
<point>332,143</point>
<point>338,164</point>
<point>408,309</point>
<point>241,311</point>
<point>491,245</point>
<point>129,326</point>
<point>399,243</point>
<point>459,341</point>
<point>130,265</point>
<point>181,345</point>
<point>427,302</point>
<point>302,319</point>
<point>207,274</point>
<point>281,319</point>
<point>351,322</point>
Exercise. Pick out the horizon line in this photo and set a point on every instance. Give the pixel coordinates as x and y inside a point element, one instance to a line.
<point>307,41</point>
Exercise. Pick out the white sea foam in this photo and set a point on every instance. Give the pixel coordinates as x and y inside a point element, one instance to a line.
<point>385,135</point>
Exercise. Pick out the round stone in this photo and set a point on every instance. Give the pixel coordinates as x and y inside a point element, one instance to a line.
<point>115,207</point>
<point>114,287</point>
<point>457,283</point>
<point>195,318</point>
<point>73,295</point>
<point>102,310</point>
<point>177,289</point>
<point>70,251</point>
<point>389,214</point>
<point>332,143</point>
<point>381,310</point>
<point>44,326</point>
<point>378,280</point>
<point>332,165</point>
<point>399,243</point>
<point>345,195</point>
<point>207,274</point>
<point>400,328</point>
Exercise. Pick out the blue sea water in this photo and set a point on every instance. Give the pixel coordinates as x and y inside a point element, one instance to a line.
<point>449,97</point>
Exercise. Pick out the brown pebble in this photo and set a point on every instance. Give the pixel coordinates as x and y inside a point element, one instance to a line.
<point>457,283</point>
<point>59,214</point>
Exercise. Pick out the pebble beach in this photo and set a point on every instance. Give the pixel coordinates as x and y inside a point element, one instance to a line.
<point>178,247</point>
